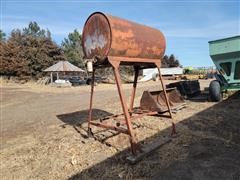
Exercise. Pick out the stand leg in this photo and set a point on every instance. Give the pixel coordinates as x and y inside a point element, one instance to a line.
<point>91,102</point>
<point>134,88</point>
<point>125,109</point>
<point>167,102</point>
<point>165,93</point>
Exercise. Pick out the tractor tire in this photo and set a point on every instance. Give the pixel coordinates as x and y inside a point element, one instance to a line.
<point>215,91</point>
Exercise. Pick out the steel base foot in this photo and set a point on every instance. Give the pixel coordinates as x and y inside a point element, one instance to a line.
<point>147,149</point>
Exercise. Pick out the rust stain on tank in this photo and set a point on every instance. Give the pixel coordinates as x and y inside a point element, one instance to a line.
<point>106,35</point>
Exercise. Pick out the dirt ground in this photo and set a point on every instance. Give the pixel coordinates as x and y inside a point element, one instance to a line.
<point>43,136</point>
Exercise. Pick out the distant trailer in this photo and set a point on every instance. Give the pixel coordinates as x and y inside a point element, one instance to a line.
<point>164,71</point>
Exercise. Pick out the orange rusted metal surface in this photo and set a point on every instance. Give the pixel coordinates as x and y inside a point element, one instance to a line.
<point>155,100</point>
<point>109,36</point>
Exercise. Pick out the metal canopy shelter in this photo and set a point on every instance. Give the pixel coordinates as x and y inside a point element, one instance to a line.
<point>62,66</point>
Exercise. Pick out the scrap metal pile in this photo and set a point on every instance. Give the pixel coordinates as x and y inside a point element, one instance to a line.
<point>110,41</point>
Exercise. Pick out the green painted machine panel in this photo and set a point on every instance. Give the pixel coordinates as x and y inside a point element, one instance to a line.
<point>225,46</point>
<point>229,70</point>
<point>225,54</point>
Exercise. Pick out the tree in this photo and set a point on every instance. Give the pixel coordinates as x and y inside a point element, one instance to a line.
<point>165,61</point>
<point>34,30</point>
<point>2,36</point>
<point>170,61</point>
<point>11,55</point>
<point>173,62</point>
<point>73,49</point>
<point>26,53</point>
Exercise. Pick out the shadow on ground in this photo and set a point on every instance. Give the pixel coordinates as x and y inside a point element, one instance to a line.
<point>79,117</point>
<point>76,119</point>
<point>211,151</point>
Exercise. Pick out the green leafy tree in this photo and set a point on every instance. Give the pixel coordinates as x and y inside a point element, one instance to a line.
<point>34,30</point>
<point>173,62</point>
<point>165,61</point>
<point>73,49</point>
<point>2,36</point>
<point>170,61</point>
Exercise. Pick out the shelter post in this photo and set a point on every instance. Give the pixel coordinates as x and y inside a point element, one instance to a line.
<point>51,78</point>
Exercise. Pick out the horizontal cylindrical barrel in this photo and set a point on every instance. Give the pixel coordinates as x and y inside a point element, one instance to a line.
<point>106,35</point>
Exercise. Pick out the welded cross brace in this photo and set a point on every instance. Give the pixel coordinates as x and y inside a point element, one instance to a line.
<point>137,152</point>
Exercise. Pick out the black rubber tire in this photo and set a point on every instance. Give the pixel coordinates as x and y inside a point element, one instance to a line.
<point>89,82</point>
<point>215,91</point>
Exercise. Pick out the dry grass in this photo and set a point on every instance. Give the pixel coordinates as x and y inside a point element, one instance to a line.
<point>55,152</point>
<point>58,151</point>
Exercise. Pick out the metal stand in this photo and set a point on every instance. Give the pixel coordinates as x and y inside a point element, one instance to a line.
<point>167,102</point>
<point>136,69</point>
<point>91,102</point>
<point>127,112</point>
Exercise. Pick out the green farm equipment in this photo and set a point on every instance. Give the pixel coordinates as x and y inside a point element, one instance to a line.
<point>225,54</point>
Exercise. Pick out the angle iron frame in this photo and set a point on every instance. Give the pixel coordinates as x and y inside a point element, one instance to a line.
<point>127,112</point>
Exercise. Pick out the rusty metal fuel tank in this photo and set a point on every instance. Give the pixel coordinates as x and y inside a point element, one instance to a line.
<point>105,35</point>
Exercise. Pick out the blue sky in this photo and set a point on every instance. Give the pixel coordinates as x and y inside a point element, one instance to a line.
<point>187,25</point>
